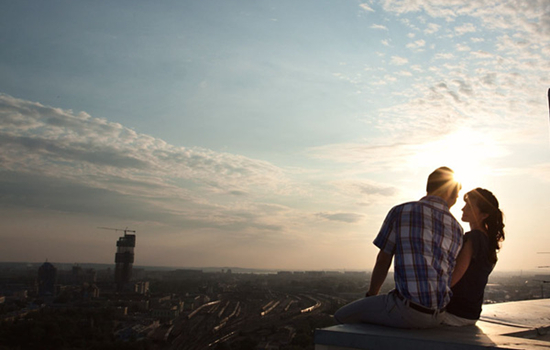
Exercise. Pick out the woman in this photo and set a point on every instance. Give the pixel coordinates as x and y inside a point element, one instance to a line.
<point>477,258</point>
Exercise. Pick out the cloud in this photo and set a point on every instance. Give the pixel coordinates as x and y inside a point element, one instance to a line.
<point>489,79</point>
<point>529,19</point>
<point>482,54</point>
<point>464,87</point>
<point>417,45</point>
<point>357,188</point>
<point>58,160</point>
<point>62,138</point>
<point>465,28</point>
<point>349,218</point>
<point>404,73</point>
<point>444,56</point>
<point>366,7</point>
<point>378,26</point>
<point>462,47</point>
<point>399,61</point>
<point>432,28</point>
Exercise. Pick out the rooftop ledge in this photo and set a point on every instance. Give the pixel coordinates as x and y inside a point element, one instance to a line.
<point>513,325</point>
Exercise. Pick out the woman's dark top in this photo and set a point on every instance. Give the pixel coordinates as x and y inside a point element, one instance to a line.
<point>468,292</point>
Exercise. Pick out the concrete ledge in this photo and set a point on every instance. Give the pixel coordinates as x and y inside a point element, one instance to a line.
<point>369,337</point>
<point>516,325</point>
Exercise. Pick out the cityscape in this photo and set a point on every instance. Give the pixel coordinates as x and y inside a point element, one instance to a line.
<point>212,174</point>
<point>90,306</point>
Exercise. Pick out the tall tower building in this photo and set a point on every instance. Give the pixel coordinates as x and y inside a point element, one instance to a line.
<point>47,275</point>
<point>124,258</point>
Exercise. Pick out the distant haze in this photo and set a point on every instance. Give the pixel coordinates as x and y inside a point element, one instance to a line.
<point>265,134</point>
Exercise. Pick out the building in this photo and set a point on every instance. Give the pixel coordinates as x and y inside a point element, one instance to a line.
<point>124,259</point>
<point>141,287</point>
<point>165,313</point>
<point>47,277</point>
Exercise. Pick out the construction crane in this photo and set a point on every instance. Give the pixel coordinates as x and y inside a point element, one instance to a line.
<point>117,229</point>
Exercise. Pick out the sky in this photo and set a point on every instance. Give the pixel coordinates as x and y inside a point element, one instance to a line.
<point>265,134</point>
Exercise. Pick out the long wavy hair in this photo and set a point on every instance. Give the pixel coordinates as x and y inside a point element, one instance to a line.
<point>487,203</point>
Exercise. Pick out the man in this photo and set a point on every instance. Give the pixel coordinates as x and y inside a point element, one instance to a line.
<point>424,238</point>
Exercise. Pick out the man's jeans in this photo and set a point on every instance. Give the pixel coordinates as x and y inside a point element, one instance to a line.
<point>387,310</point>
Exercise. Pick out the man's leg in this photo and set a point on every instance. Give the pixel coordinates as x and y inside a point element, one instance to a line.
<point>387,310</point>
<point>380,309</point>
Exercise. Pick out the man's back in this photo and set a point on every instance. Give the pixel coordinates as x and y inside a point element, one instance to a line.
<point>425,239</point>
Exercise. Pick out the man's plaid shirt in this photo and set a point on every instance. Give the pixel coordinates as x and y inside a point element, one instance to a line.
<point>425,239</point>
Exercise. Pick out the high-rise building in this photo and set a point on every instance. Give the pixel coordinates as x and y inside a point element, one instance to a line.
<point>124,258</point>
<point>47,275</point>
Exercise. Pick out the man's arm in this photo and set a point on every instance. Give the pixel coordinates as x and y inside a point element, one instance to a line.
<point>379,272</point>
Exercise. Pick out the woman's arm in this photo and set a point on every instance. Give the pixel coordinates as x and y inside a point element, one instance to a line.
<point>462,261</point>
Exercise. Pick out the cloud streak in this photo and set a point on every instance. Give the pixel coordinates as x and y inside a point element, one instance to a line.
<point>55,158</point>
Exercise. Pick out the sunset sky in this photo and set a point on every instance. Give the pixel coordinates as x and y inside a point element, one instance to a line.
<point>265,134</point>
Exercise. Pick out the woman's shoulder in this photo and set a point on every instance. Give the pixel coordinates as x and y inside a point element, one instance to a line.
<point>476,234</point>
<point>479,239</point>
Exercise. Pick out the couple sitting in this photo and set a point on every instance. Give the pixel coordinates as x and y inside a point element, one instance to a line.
<point>440,274</point>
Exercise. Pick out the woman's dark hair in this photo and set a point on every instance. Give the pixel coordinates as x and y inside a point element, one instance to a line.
<point>493,223</point>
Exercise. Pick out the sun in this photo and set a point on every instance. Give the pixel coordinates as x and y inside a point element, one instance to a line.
<point>467,152</point>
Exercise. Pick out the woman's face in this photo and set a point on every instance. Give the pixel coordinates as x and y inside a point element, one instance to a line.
<point>472,214</point>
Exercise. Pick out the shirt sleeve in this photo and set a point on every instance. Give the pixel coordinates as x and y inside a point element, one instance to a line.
<point>386,238</point>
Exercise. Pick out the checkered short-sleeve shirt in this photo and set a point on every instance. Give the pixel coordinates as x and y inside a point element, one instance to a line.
<point>425,239</point>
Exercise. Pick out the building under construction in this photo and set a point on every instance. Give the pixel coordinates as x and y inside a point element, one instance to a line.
<point>124,258</point>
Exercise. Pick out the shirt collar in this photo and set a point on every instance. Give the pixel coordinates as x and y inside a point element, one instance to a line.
<point>435,201</point>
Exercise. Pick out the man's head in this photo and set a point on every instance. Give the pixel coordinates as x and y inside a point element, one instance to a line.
<point>442,183</point>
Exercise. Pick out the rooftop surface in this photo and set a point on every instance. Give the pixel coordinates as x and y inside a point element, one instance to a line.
<point>513,325</point>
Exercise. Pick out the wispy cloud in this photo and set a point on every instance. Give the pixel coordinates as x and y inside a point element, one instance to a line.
<point>462,47</point>
<point>399,61</point>
<point>341,217</point>
<point>465,28</point>
<point>366,7</point>
<point>417,45</point>
<point>444,56</point>
<point>358,188</point>
<point>378,26</point>
<point>432,28</point>
<point>53,157</point>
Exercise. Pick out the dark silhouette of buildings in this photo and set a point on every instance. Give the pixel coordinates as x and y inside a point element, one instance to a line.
<point>47,276</point>
<point>124,258</point>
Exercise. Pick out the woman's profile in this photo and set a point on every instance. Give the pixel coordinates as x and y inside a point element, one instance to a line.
<point>477,258</point>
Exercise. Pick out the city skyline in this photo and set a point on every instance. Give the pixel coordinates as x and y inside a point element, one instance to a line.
<point>271,135</point>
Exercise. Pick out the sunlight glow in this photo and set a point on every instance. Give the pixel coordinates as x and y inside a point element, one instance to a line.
<point>465,151</point>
